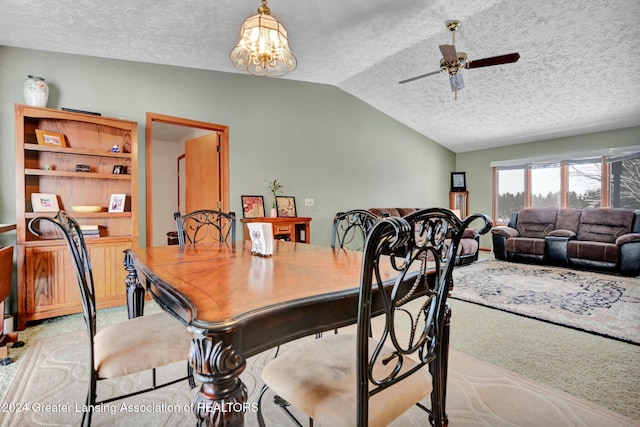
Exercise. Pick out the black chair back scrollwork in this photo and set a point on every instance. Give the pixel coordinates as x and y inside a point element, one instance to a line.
<point>205,225</point>
<point>350,229</point>
<point>402,332</point>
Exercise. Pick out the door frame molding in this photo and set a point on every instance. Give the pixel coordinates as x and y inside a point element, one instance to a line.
<point>179,121</point>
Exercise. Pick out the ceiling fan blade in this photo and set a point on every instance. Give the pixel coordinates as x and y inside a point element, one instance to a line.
<point>494,60</point>
<point>449,53</point>
<point>418,77</point>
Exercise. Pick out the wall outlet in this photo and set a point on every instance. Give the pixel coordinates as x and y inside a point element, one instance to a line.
<point>309,202</point>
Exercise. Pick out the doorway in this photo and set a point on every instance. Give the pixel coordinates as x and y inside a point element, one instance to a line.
<point>218,178</point>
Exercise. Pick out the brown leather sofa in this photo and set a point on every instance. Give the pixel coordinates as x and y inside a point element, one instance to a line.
<point>605,239</point>
<point>469,244</point>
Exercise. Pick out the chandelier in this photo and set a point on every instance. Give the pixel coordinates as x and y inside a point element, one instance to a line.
<point>263,49</point>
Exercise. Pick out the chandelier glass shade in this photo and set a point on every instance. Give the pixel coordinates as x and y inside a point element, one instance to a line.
<point>263,49</point>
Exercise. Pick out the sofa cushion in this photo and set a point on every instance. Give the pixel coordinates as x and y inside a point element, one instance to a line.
<point>562,233</point>
<point>594,251</point>
<point>467,247</point>
<point>568,219</point>
<point>604,225</point>
<point>526,245</point>
<point>470,233</point>
<point>406,211</point>
<point>536,222</point>
<point>380,212</point>
<point>503,230</point>
<point>628,238</point>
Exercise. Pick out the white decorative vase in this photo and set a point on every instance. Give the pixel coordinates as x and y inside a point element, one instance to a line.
<point>273,213</point>
<point>36,91</point>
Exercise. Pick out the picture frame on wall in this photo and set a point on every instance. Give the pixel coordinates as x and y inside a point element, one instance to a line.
<point>45,137</point>
<point>117,202</point>
<point>458,181</point>
<point>286,206</point>
<point>252,207</point>
<point>42,202</point>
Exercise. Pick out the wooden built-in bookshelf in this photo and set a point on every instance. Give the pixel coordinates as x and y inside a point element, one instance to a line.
<point>47,284</point>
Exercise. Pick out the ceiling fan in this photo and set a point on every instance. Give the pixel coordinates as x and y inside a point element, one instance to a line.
<point>453,62</point>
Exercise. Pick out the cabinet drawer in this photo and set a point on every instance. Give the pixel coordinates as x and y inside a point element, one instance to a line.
<point>282,228</point>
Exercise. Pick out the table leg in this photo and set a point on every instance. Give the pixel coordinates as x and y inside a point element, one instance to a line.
<point>135,290</point>
<point>444,355</point>
<point>222,399</point>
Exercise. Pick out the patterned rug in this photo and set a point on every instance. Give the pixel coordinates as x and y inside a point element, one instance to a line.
<point>51,383</point>
<point>599,303</point>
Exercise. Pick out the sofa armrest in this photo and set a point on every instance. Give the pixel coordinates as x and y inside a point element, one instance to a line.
<point>629,254</point>
<point>470,233</point>
<point>562,233</point>
<point>499,236</point>
<point>505,231</point>
<point>628,238</point>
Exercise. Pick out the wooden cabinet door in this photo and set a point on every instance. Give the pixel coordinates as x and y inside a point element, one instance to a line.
<point>52,286</point>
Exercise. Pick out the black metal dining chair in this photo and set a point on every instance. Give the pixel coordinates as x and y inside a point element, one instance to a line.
<point>350,229</point>
<point>205,225</point>
<point>399,353</point>
<point>134,345</point>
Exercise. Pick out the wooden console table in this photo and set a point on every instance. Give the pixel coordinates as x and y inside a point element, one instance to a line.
<point>291,229</point>
<point>6,275</point>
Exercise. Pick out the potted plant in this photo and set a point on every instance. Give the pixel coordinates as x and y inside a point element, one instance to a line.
<point>274,186</point>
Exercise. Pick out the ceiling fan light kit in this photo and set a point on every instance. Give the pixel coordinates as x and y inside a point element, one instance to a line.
<point>263,48</point>
<point>453,62</point>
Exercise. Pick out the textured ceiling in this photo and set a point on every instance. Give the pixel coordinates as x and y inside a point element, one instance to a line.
<point>579,70</point>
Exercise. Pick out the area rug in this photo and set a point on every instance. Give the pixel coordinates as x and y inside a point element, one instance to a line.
<point>51,382</point>
<point>599,303</point>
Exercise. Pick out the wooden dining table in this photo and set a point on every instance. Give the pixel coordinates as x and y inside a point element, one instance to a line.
<point>237,305</point>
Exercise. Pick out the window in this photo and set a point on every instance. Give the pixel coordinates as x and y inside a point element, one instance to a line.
<point>510,183</point>
<point>585,184</point>
<point>545,185</point>
<point>625,182</point>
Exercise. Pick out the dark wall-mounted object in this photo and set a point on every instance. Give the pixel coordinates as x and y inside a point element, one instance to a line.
<point>458,181</point>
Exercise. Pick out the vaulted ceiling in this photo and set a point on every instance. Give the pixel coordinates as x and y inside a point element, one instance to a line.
<point>579,70</point>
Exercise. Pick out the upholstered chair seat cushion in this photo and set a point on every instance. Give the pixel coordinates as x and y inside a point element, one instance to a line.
<point>319,378</point>
<point>140,344</point>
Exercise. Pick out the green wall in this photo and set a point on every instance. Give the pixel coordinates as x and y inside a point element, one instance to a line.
<point>479,175</point>
<point>317,140</point>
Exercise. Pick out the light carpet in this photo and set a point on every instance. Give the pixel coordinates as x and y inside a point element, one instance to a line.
<point>54,372</point>
<point>595,302</point>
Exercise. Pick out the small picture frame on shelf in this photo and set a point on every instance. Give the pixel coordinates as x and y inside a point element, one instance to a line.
<point>286,206</point>
<point>41,202</point>
<point>458,181</point>
<point>117,202</point>
<point>118,170</point>
<point>83,168</point>
<point>252,207</point>
<point>50,138</point>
